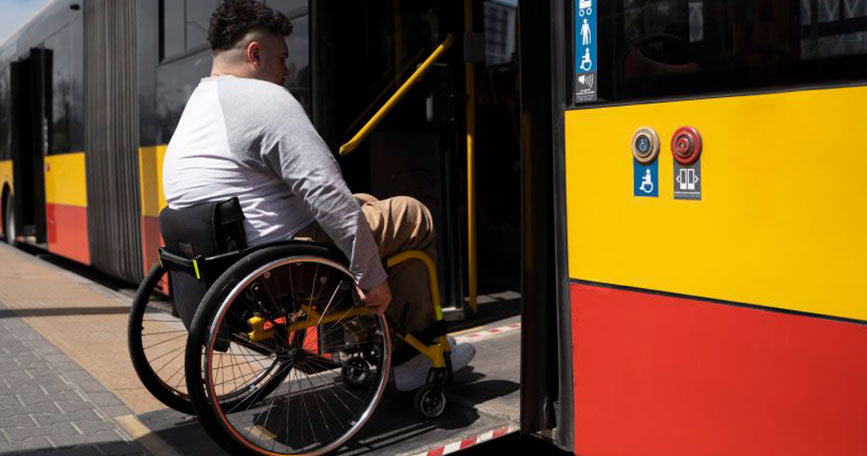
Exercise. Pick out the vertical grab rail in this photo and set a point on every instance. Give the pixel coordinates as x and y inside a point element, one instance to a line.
<point>472,267</point>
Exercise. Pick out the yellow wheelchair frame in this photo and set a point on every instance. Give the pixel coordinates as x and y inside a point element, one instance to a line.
<point>436,352</point>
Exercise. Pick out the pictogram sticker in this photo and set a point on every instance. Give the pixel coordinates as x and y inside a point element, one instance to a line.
<point>687,181</point>
<point>585,52</point>
<point>645,179</point>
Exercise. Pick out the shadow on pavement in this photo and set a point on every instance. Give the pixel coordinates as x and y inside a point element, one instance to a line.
<point>118,448</point>
<point>62,311</point>
<point>394,427</point>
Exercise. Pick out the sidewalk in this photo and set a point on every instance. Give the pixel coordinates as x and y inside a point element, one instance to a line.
<point>49,404</point>
<point>86,321</point>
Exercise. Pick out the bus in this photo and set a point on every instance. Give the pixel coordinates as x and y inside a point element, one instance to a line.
<point>665,191</point>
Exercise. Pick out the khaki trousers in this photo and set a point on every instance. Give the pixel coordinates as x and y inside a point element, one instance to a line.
<point>398,224</point>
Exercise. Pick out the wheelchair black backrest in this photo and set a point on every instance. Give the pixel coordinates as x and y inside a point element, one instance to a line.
<point>199,241</point>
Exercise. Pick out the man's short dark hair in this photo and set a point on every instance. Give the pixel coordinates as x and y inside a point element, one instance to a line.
<point>233,19</point>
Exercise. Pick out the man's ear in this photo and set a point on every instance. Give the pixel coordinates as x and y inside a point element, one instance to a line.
<point>254,53</point>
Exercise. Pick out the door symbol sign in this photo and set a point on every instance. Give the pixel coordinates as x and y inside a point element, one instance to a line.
<point>647,182</point>
<point>686,179</point>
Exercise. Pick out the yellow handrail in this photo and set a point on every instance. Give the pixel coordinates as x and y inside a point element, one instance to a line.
<point>389,105</point>
<point>472,258</point>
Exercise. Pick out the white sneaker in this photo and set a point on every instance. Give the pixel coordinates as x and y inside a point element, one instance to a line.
<point>413,373</point>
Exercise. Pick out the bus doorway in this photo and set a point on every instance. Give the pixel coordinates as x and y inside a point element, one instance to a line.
<point>452,141</point>
<point>30,102</point>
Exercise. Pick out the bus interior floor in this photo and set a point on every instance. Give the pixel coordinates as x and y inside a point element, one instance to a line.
<point>484,397</point>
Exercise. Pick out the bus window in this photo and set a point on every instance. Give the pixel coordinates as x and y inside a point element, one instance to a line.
<point>197,20</point>
<point>835,30</point>
<point>184,26</point>
<point>671,48</point>
<point>290,8</point>
<point>500,40</point>
<point>298,42</point>
<point>171,28</point>
<point>58,50</point>
<point>5,105</point>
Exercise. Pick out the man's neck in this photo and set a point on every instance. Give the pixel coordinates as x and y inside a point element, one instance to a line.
<point>228,65</point>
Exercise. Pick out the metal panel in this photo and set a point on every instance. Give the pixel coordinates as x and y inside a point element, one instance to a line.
<point>780,223</point>
<point>675,376</point>
<point>560,95</point>
<point>539,347</point>
<point>111,138</point>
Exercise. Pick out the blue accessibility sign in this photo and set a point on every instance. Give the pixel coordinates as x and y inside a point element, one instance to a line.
<point>645,179</point>
<point>585,51</point>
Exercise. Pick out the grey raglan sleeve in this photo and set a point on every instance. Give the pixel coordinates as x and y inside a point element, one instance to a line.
<point>292,148</point>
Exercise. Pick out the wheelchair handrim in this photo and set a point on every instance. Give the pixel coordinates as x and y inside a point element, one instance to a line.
<point>218,320</point>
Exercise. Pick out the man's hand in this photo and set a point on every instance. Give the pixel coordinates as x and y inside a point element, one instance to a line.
<point>377,298</point>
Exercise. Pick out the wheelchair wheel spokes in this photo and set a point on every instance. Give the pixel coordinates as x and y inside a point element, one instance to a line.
<point>305,310</point>
<point>157,340</point>
<point>239,370</point>
<point>164,339</point>
<point>157,344</point>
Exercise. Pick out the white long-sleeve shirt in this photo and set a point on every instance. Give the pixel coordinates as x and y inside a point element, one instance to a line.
<point>251,139</point>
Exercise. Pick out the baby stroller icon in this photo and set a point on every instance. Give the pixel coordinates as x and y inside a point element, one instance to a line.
<point>585,8</point>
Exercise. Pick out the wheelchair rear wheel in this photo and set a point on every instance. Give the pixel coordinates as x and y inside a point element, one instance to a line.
<point>298,303</point>
<point>157,338</point>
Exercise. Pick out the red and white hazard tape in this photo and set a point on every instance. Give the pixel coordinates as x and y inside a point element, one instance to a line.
<point>467,442</point>
<point>487,333</point>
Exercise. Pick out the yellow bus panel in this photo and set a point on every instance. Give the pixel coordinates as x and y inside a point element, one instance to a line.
<point>5,174</point>
<point>66,179</point>
<point>151,173</point>
<point>781,222</point>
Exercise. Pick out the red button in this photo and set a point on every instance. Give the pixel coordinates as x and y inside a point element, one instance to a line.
<point>686,145</point>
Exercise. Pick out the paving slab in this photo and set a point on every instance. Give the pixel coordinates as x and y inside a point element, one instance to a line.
<point>81,324</point>
<point>42,411</point>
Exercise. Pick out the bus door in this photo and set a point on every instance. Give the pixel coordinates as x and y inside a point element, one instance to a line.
<point>463,104</point>
<point>31,98</point>
<point>713,166</point>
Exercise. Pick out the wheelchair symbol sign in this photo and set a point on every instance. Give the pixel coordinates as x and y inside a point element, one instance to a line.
<point>586,61</point>
<point>645,179</point>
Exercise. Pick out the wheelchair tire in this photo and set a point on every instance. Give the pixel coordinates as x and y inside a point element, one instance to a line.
<point>157,338</point>
<point>430,401</point>
<point>263,285</point>
<point>166,386</point>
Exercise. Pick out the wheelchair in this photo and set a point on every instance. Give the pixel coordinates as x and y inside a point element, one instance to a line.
<point>269,346</point>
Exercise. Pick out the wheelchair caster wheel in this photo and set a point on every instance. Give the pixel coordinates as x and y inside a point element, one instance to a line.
<point>430,401</point>
<point>356,372</point>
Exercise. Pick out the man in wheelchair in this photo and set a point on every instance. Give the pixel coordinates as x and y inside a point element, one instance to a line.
<point>243,135</point>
